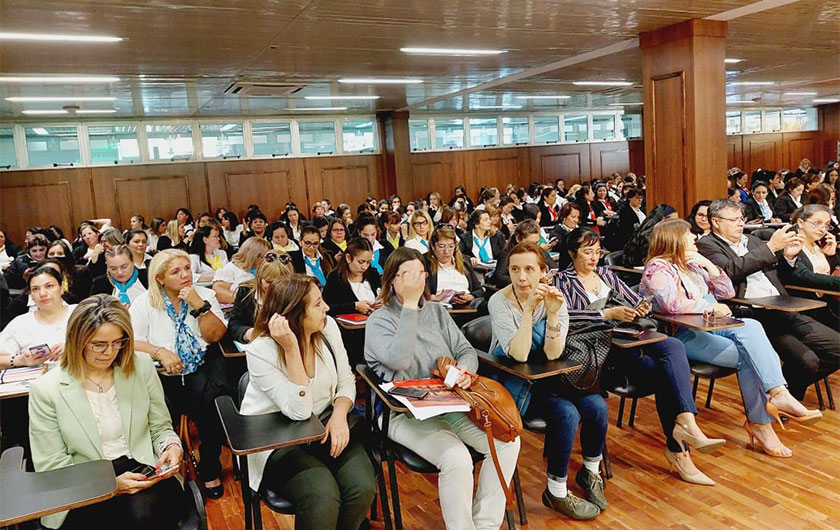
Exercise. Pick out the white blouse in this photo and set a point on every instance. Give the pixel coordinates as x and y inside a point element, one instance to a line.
<point>818,261</point>
<point>233,275</point>
<point>417,243</point>
<point>450,278</point>
<point>106,412</point>
<point>25,332</point>
<point>232,236</point>
<point>363,291</point>
<point>199,267</point>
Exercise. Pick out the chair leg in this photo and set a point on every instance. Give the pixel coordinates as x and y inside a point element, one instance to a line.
<point>256,502</point>
<point>606,461</point>
<point>694,387</point>
<point>633,411</point>
<point>520,502</point>
<point>709,396</point>
<point>620,413</point>
<point>510,521</point>
<point>819,395</point>
<point>828,393</point>
<point>395,493</point>
<point>382,493</point>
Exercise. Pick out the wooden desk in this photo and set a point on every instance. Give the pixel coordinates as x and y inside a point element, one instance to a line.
<point>694,321</point>
<point>373,381</point>
<point>790,304</point>
<point>461,310</point>
<point>647,337</point>
<point>13,390</point>
<point>812,290</point>
<point>229,349</point>
<point>530,371</point>
<point>27,496</point>
<point>619,268</point>
<point>484,267</point>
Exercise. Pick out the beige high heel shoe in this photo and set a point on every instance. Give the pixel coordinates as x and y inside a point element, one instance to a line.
<point>703,445</point>
<point>809,418</point>
<point>696,477</point>
<point>777,451</point>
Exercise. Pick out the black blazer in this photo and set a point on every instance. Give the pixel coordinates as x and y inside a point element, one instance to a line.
<point>340,296</point>
<point>753,211</point>
<point>300,265</point>
<point>331,248</point>
<point>545,216</point>
<point>14,274</point>
<point>388,246</point>
<point>475,284</point>
<point>242,315</point>
<point>759,258</point>
<point>802,273</point>
<point>784,207</point>
<point>102,285</point>
<point>628,223</point>
<point>242,237</point>
<point>497,245</point>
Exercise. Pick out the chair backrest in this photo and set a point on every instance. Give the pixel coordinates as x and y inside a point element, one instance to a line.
<point>764,234</point>
<point>242,387</point>
<point>479,333</point>
<point>614,258</point>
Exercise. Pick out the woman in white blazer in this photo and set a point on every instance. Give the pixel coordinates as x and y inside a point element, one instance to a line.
<point>298,366</point>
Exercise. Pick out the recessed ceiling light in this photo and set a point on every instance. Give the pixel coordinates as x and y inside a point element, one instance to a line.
<point>624,104</point>
<point>96,111</point>
<point>603,83</point>
<point>63,38</point>
<point>40,131</point>
<point>729,60</point>
<point>825,100</point>
<point>800,93</point>
<point>752,83</point>
<point>58,111</point>
<point>487,107</point>
<point>321,108</point>
<point>60,79</point>
<point>543,97</point>
<point>348,98</point>
<point>39,99</point>
<point>450,51</point>
<point>380,81</point>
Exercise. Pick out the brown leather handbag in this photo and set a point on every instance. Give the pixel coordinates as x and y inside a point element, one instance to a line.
<point>492,409</point>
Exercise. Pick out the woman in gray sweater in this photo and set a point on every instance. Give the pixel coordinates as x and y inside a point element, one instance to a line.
<point>403,340</point>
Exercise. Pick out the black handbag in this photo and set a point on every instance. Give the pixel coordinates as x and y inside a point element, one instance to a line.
<point>587,345</point>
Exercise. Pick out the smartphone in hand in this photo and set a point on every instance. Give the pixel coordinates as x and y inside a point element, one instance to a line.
<point>145,470</point>
<point>643,301</point>
<point>39,351</point>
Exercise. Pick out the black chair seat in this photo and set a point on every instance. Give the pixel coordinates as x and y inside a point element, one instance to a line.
<point>276,502</point>
<point>534,424</point>
<point>479,333</point>
<point>711,371</point>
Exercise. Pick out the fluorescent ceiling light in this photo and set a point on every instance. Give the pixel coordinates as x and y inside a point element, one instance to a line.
<point>574,118</point>
<point>732,61</point>
<point>59,111</point>
<point>825,100</point>
<point>60,79</point>
<point>736,101</point>
<point>62,38</point>
<point>321,108</point>
<point>27,99</point>
<point>603,83</point>
<point>364,125</point>
<point>380,81</point>
<point>228,127</point>
<point>96,111</point>
<point>483,107</point>
<point>341,97</point>
<point>450,51</point>
<point>624,104</point>
<point>543,97</point>
<point>800,93</point>
<point>752,83</point>
<point>40,131</point>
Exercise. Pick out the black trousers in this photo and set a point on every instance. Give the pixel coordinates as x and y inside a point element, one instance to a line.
<point>160,507</point>
<point>195,395</point>
<point>809,349</point>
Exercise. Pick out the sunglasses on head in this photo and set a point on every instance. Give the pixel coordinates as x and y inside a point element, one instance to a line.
<point>271,257</point>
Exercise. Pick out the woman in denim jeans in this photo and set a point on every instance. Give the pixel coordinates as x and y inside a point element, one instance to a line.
<point>529,317</point>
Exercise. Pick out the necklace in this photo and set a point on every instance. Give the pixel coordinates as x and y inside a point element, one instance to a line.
<point>99,388</point>
<point>515,297</point>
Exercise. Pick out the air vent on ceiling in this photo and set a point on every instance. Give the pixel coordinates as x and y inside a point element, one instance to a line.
<point>248,88</point>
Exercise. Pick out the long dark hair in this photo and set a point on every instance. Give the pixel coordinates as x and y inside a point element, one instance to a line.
<point>355,246</point>
<point>287,296</point>
<point>692,216</point>
<point>392,266</point>
<point>197,246</point>
<point>327,262</point>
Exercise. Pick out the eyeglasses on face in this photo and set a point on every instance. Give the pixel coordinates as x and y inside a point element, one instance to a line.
<point>442,246</point>
<point>819,226</point>
<point>100,347</point>
<point>310,243</point>
<point>734,219</point>
<point>422,222</point>
<point>338,230</point>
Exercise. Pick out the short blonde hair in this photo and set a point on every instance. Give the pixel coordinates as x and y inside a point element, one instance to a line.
<point>416,215</point>
<point>268,271</point>
<point>250,252</point>
<point>172,231</point>
<point>157,268</point>
<point>84,321</point>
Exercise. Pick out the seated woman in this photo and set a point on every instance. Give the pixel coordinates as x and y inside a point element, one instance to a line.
<point>174,322</point>
<point>173,237</point>
<point>336,240</point>
<point>451,272</point>
<point>298,366</point>
<point>528,230</point>
<point>419,231</point>
<point>281,237</point>
<point>231,229</point>
<point>257,225</point>
<point>790,200</point>
<point>137,242</point>
<point>206,255</point>
<point>352,287</point>
<point>156,229</point>
<point>103,385</point>
<point>8,250</point>
<point>481,243</point>
<point>21,340</point>
<point>392,229</point>
<point>122,279</point>
<point>294,220</point>
<point>76,282</point>
<point>636,249</point>
<point>240,269</point>
<point>683,281</point>
<point>86,242</point>
<point>585,198</point>
<point>312,259</point>
<point>530,319</point>
<point>698,218</point>
<point>367,227</point>
<point>252,292</point>
<point>399,345</point>
<point>95,261</point>
<point>35,252</point>
<point>757,208</point>
<point>549,212</point>
<point>662,367</point>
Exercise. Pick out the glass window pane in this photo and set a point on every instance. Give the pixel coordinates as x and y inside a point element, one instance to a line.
<point>733,122</point>
<point>418,134</point>
<point>515,131</point>
<point>222,139</point>
<point>170,141</point>
<point>358,135</point>
<point>773,120</point>
<point>272,138</point>
<point>575,128</point>
<point>603,126</point>
<point>631,125</point>
<point>52,145</point>
<point>752,121</point>
<point>799,119</point>
<point>483,132</point>
<point>7,148</point>
<point>109,143</point>
<point>317,136</point>
<point>449,134</point>
<point>546,129</point>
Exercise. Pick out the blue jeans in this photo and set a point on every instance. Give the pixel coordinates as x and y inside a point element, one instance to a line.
<point>562,416</point>
<point>746,348</point>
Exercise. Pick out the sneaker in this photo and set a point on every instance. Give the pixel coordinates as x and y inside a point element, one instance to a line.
<point>571,506</point>
<point>593,485</point>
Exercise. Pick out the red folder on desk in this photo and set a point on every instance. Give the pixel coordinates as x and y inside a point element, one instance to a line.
<point>352,318</point>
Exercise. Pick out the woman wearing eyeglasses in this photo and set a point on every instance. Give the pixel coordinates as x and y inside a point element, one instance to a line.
<point>481,242</point>
<point>122,278</point>
<point>336,240</point>
<point>313,260</point>
<point>206,254</point>
<point>419,231</point>
<point>240,269</point>
<point>252,292</point>
<point>450,272</point>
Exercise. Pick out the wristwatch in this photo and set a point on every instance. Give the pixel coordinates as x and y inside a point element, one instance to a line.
<point>201,310</point>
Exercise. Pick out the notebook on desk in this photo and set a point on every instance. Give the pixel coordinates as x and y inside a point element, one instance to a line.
<point>352,318</point>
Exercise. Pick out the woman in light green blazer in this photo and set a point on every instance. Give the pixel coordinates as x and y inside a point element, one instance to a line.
<point>106,402</point>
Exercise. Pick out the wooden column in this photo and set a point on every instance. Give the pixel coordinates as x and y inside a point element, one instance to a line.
<point>396,151</point>
<point>684,82</point>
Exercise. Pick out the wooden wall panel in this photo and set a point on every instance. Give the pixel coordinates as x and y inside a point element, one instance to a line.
<point>735,152</point>
<point>432,175</point>
<point>829,120</point>
<point>348,179</point>
<point>637,157</point>
<point>608,158</point>
<point>801,145</point>
<point>761,151</point>
<point>500,167</point>
<point>570,162</point>
<point>669,157</point>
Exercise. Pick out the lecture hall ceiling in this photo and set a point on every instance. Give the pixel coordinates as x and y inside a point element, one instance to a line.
<point>178,59</point>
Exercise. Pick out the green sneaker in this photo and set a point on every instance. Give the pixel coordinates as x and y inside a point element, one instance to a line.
<point>571,506</point>
<point>593,485</point>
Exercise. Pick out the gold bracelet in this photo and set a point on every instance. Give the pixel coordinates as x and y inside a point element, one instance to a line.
<point>154,353</point>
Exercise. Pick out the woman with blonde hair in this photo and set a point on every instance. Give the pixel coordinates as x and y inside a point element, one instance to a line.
<point>82,412</point>
<point>683,281</point>
<point>251,293</point>
<point>241,268</point>
<point>173,237</point>
<point>175,322</point>
<point>420,228</point>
